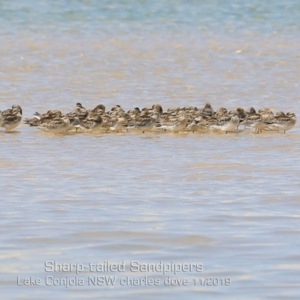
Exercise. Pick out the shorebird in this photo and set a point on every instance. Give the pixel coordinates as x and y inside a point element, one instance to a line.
<point>177,124</point>
<point>11,118</point>
<point>57,125</point>
<point>92,123</point>
<point>207,110</point>
<point>144,122</point>
<point>99,109</point>
<point>80,111</point>
<point>39,119</point>
<point>226,123</point>
<point>157,108</point>
<point>118,124</point>
<point>196,125</point>
<point>283,122</point>
<point>256,121</point>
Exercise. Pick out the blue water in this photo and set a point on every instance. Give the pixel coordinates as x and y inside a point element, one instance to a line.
<point>98,17</point>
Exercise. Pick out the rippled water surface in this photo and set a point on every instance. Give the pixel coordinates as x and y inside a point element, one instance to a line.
<point>228,202</point>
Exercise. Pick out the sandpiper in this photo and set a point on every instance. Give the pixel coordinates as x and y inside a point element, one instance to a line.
<point>11,118</point>
<point>92,123</point>
<point>178,124</point>
<point>39,119</point>
<point>57,125</point>
<point>145,121</point>
<point>227,124</point>
<point>284,122</point>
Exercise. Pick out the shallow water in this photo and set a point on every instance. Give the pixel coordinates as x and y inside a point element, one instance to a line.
<point>229,202</point>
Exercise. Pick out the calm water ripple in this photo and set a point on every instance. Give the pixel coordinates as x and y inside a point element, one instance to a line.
<point>230,202</point>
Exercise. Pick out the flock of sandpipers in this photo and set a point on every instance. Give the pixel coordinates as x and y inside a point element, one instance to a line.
<point>181,119</point>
